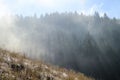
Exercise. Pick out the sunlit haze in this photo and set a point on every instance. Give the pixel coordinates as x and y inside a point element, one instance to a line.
<point>30,7</point>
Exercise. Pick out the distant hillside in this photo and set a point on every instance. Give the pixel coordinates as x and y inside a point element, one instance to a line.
<point>17,67</point>
<point>86,43</point>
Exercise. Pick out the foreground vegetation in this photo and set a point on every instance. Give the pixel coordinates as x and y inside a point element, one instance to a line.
<point>17,67</point>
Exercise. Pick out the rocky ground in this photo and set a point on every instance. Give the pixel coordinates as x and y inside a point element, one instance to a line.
<point>14,66</point>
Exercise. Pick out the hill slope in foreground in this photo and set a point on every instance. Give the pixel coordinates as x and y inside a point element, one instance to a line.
<point>14,66</point>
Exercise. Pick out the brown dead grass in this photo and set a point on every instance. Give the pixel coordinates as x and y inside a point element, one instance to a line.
<point>35,70</point>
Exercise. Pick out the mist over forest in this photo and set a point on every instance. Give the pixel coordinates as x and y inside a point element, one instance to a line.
<point>85,43</point>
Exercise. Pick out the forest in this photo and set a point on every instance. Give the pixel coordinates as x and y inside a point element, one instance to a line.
<point>86,43</point>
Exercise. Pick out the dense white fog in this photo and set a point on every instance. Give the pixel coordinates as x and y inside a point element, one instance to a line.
<point>89,44</point>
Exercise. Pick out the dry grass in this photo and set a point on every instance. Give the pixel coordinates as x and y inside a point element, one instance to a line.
<point>14,66</point>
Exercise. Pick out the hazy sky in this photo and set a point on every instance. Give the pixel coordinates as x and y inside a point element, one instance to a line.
<point>29,7</point>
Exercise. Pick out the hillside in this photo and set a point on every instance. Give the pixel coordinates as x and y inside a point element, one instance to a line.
<point>17,67</point>
<point>86,43</point>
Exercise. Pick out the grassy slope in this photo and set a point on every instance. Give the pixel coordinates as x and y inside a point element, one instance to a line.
<point>17,67</point>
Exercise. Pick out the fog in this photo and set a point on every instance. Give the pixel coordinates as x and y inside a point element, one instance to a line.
<point>85,43</point>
